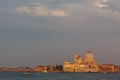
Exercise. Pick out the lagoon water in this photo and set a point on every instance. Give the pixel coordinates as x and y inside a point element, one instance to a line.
<point>59,76</point>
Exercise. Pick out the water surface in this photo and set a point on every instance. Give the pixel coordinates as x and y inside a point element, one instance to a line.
<point>59,76</point>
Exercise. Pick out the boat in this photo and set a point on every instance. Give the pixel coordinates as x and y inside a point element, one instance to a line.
<point>26,73</point>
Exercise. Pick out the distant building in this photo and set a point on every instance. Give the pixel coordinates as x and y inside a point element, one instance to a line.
<point>117,69</point>
<point>39,68</point>
<point>59,68</point>
<point>88,64</point>
<point>47,68</point>
<point>23,69</point>
<point>107,68</point>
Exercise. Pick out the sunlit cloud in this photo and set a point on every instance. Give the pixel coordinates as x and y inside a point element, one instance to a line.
<point>43,8</point>
<point>41,11</point>
<point>101,3</point>
<point>97,4</point>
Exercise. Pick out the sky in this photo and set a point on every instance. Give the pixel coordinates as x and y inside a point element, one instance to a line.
<point>49,32</point>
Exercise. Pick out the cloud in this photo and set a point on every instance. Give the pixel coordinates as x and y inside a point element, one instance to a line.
<point>100,5</point>
<point>68,8</point>
<point>106,7</point>
<point>41,10</point>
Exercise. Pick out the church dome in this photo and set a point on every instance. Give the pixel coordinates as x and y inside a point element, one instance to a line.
<point>89,54</point>
<point>67,62</point>
<point>77,56</point>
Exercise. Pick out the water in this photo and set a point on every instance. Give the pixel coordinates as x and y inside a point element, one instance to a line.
<point>58,76</point>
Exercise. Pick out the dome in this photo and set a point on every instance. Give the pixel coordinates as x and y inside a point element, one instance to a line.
<point>77,56</point>
<point>67,62</point>
<point>89,54</point>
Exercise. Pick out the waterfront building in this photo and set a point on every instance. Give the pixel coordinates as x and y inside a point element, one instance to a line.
<point>88,64</point>
<point>59,68</point>
<point>23,69</point>
<point>47,68</point>
<point>117,69</point>
<point>107,68</point>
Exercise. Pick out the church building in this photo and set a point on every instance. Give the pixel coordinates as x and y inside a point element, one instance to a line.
<point>86,64</point>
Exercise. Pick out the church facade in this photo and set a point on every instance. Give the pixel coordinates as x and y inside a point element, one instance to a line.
<point>86,64</point>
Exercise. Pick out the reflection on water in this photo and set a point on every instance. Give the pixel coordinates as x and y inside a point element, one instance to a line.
<point>59,76</point>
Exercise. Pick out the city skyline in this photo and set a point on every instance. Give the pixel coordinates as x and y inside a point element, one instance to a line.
<point>34,32</point>
<point>80,64</point>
